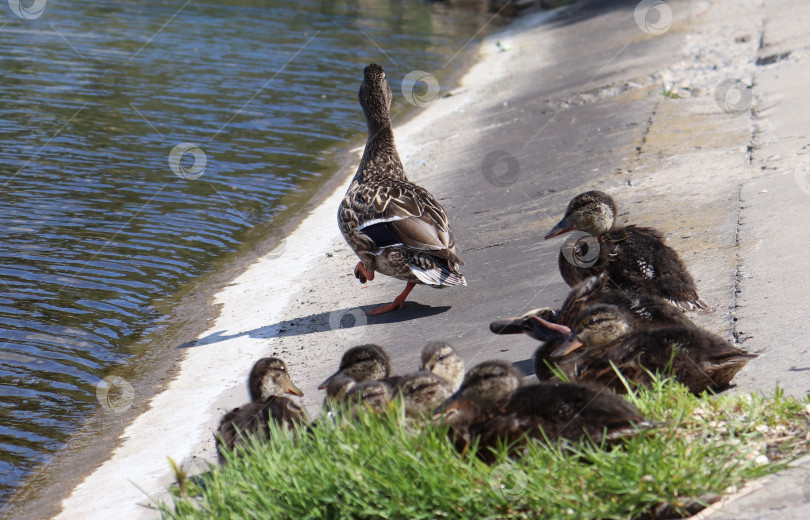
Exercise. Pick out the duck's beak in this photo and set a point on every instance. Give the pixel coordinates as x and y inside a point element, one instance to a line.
<point>570,345</point>
<point>544,330</point>
<point>562,227</point>
<point>507,326</point>
<point>328,379</point>
<point>294,390</point>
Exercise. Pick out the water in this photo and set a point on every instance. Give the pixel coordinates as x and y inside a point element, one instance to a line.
<point>97,225</point>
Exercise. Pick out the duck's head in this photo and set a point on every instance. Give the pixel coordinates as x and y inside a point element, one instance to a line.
<point>337,388</point>
<point>593,212</point>
<point>423,392</point>
<point>363,363</point>
<point>527,324</point>
<point>596,327</point>
<point>443,360</point>
<point>269,377</point>
<point>489,382</point>
<point>374,395</point>
<point>375,95</point>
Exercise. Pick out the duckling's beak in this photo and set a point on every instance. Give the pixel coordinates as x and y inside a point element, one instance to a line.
<point>328,379</point>
<point>567,347</point>
<point>294,390</point>
<point>547,331</point>
<point>562,227</point>
<point>507,326</point>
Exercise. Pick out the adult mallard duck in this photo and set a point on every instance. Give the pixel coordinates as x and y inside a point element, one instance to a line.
<point>635,258</point>
<point>601,339</point>
<point>396,227</point>
<point>268,381</point>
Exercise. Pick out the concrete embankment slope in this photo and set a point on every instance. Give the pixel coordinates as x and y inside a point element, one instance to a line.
<point>554,107</point>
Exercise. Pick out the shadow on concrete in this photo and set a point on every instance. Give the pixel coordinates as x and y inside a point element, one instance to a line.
<point>345,319</point>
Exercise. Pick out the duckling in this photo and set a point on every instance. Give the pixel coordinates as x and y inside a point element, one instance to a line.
<point>374,395</point>
<point>396,227</point>
<point>422,392</point>
<point>443,360</point>
<point>267,382</point>
<point>268,377</point>
<point>362,363</point>
<point>337,388</point>
<point>484,385</point>
<point>554,412</point>
<point>698,359</point>
<point>635,258</point>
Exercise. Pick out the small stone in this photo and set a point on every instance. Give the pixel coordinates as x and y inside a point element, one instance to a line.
<point>761,460</point>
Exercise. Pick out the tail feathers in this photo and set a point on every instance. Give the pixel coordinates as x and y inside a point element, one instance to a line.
<point>438,275</point>
<point>697,304</point>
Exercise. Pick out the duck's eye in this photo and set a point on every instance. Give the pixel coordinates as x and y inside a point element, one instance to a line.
<point>442,357</point>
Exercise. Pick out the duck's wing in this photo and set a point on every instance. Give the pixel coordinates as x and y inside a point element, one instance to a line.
<point>402,214</point>
<point>638,259</point>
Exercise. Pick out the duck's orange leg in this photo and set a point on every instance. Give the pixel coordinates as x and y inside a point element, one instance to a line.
<point>398,301</point>
<point>363,274</point>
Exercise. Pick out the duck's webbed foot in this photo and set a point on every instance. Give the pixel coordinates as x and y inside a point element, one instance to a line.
<point>363,274</point>
<point>398,301</point>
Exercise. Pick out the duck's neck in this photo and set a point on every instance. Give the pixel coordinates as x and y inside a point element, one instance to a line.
<point>380,157</point>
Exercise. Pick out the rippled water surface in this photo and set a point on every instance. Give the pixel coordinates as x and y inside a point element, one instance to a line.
<point>97,225</point>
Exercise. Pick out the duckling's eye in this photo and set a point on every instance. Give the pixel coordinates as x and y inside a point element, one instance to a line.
<point>443,356</point>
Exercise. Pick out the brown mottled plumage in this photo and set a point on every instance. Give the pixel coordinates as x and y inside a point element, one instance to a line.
<point>642,312</point>
<point>635,258</point>
<point>443,360</point>
<point>493,407</point>
<point>267,382</point>
<point>368,362</point>
<point>396,227</point>
<point>695,357</point>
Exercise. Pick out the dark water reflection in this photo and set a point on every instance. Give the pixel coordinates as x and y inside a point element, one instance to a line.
<point>96,226</point>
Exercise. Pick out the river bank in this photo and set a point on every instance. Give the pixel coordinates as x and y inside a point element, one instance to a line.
<point>544,114</point>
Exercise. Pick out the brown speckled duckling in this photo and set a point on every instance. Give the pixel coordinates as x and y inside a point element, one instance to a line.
<point>267,383</point>
<point>698,359</point>
<point>443,360</point>
<point>636,258</point>
<point>362,363</point>
<point>396,227</point>
<point>422,392</point>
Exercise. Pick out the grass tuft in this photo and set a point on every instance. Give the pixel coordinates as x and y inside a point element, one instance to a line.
<point>385,467</point>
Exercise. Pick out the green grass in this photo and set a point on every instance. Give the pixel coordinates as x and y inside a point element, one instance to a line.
<point>378,467</point>
<point>669,91</point>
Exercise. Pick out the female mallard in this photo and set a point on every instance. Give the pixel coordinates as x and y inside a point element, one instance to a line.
<point>635,258</point>
<point>601,340</point>
<point>267,383</point>
<point>396,227</point>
